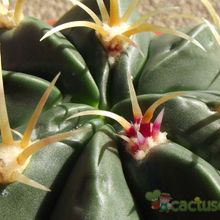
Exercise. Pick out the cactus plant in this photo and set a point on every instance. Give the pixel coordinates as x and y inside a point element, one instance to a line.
<point>141,116</point>
<point>100,53</point>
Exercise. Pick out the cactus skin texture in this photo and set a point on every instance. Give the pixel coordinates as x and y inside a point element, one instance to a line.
<point>103,71</point>
<point>98,56</point>
<point>57,158</point>
<point>170,65</point>
<point>95,173</point>
<point>46,59</point>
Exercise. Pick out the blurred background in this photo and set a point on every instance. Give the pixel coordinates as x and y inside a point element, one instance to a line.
<point>53,9</point>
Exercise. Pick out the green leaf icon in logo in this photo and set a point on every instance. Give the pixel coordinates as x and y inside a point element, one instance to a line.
<point>153,196</point>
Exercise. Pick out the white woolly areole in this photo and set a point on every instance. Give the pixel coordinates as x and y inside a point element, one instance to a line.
<point>9,163</point>
<point>150,143</point>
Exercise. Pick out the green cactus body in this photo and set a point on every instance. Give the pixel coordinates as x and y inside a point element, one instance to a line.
<point>96,187</point>
<point>158,171</point>
<point>52,165</point>
<point>105,72</point>
<point>175,64</point>
<point>190,121</point>
<point>46,59</point>
<point>28,91</point>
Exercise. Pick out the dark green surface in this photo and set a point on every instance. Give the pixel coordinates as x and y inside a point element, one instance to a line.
<point>96,188</point>
<point>110,77</point>
<point>50,166</point>
<point>189,121</point>
<point>175,64</point>
<point>23,92</point>
<point>85,172</point>
<point>131,61</point>
<point>22,51</point>
<point>175,170</point>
